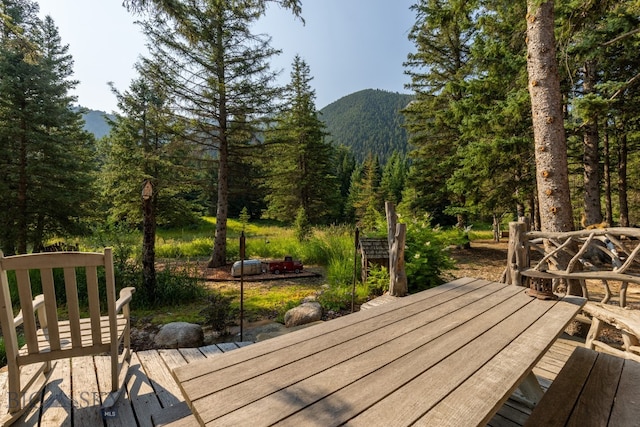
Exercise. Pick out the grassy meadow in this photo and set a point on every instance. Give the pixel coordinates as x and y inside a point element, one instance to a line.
<point>331,248</point>
<point>182,295</point>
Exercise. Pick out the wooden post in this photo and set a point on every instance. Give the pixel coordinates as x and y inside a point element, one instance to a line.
<point>398,277</point>
<point>518,252</point>
<point>392,220</point>
<point>396,236</point>
<point>242,254</point>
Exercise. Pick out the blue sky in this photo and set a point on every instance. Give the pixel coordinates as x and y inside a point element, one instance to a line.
<point>349,45</point>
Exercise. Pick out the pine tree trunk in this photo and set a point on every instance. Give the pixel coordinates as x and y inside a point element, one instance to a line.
<point>552,171</point>
<point>607,180</point>
<point>548,129</point>
<point>149,247</point>
<point>22,219</point>
<point>591,155</point>
<point>219,255</point>
<point>622,180</point>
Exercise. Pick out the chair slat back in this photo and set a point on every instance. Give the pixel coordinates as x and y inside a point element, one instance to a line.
<point>51,306</point>
<point>46,264</point>
<point>73,308</point>
<point>94,303</point>
<point>111,290</point>
<point>29,319</point>
<point>6,316</point>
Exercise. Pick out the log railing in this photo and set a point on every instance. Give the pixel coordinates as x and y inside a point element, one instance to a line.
<point>603,255</point>
<point>606,255</point>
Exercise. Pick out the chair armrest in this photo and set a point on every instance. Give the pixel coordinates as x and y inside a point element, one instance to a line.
<point>125,297</point>
<point>37,302</point>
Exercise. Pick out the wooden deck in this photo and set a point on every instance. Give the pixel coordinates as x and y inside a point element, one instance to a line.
<point>73,393</point>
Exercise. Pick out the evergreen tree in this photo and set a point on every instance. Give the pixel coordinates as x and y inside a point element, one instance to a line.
<point>443,34</point>
<point>218,74</point>
<point>46,157</point>
<point>495,165</point>
<point>365,195</point>
<point>394,176</point>
<point>145,144</point>
<point>301,161</point>
<point>173,8</point>
<point>345,165</point>
<point>144,152</point>
<point>603,68</point>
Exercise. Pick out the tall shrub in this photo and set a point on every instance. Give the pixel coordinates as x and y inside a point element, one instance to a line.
<point>425,255</point>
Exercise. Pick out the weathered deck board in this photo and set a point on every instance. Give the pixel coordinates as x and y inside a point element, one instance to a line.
<point>514,413</point>
<point>56,406</point>
<point>153,398</point>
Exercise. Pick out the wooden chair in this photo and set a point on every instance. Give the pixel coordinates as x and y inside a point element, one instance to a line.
<point>48,338</point>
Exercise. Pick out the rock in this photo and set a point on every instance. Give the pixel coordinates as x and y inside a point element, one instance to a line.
<point>179,334</point>
<point>305,313</point>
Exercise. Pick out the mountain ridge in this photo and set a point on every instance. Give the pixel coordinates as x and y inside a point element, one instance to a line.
<point>368,121</point>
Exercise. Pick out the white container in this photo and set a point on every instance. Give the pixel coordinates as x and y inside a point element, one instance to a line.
<point>251,266</point>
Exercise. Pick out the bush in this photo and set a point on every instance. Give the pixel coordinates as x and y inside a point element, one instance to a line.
<point>377,280</point>
<point>179,284</point>
<point>173,285</point>
<point>218,313</point>
<point>336,298</point>
<point>425,256</point>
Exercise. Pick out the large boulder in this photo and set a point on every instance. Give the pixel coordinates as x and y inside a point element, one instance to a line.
<point>179,334</point>
<point>307,312</point>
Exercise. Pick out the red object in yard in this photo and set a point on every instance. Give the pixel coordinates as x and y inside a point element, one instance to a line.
<point>288,264</point>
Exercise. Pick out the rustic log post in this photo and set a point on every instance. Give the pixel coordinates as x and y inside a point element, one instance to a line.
<point>392,220</point>
<point>396,236</point>
<point>398,277</point>
<point>518,252</point>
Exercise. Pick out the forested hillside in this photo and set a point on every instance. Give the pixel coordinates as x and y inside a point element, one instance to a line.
<point>368,121</point>
<point>96,123</point>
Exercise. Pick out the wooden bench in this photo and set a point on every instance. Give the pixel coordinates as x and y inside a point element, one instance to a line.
<point>592,389</point>
<point>604,255</point>
<point>544,260</point>
<point>625,321</point>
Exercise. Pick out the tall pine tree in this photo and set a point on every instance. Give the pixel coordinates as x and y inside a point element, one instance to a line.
<point>47,182</point>
<point>217,71</point>
<point>300,167</point>
<point>443,34</point>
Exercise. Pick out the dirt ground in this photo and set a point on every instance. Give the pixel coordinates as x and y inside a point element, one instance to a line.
<point>486,259</point>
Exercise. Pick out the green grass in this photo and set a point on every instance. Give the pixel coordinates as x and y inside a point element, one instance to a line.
<point>269,301</point>
<point>174,313</point>
<point>331,247</point>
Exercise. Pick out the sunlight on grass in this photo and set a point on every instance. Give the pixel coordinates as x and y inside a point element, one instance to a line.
<point>269,300</point>
<point>332,247</point>
<point>174,313</point>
